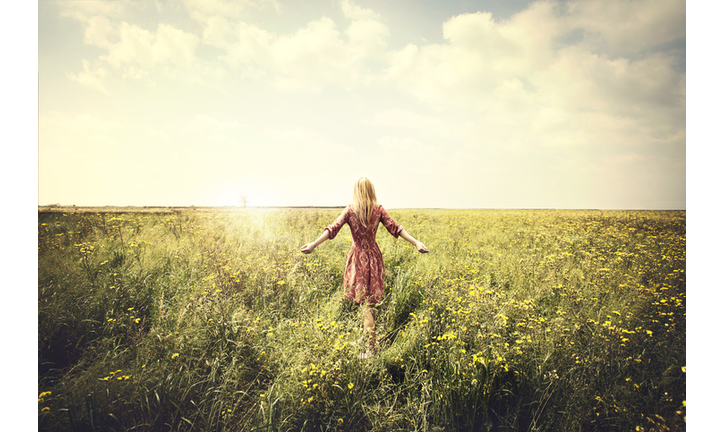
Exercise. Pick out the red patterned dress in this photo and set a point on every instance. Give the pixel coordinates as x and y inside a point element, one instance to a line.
<point>364,274</point>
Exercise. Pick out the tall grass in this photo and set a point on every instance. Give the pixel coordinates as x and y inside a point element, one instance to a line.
<point>214,321</point>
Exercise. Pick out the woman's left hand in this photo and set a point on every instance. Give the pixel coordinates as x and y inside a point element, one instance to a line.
<point>308,248</point>
<point>421,247</point>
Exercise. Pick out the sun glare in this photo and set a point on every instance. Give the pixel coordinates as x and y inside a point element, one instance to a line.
<point>236,196</point>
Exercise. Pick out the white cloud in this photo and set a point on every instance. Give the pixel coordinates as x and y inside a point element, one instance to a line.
<point>175,46</point>
<point>516,74</point>
<point>218,32</point>
<point>316,45</point>
<point>368,38</point>
<point>479,48</point>
<point>135,46</point>
<point>628,27</point>
<point>561,93</point>
<point>138,46</point>
<point>90,78</point>
<point>201,10</point>
<point>352,11</point>
<point>309,58</point>
<point>98,31</point>
<point>312,57</point>
<point>647,89</point>
<point>131,51</point>
<point>84,10</point>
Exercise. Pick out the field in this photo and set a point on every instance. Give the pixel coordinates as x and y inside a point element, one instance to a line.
<point>524,320</point>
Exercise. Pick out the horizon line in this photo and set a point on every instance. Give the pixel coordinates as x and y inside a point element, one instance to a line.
<point>231,207</point>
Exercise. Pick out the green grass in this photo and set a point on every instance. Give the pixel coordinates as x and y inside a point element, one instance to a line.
<point>214,321</point>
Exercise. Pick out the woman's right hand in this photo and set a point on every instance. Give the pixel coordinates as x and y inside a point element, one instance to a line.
<point>421,247</point>
<point>308,248</point>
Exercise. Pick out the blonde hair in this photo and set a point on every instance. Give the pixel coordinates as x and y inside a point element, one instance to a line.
<point>364,199</point>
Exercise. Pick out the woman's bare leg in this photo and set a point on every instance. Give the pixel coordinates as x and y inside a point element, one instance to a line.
<point>368,323</point>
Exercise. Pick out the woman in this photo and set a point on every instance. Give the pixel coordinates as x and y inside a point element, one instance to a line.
<point>364,274</point>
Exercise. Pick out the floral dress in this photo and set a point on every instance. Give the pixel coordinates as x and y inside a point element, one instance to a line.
<point>364,274</point>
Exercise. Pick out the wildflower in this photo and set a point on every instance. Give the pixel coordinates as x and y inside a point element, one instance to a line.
<point>45,409</point>
<point>350,385</point>
<point>174,355</point>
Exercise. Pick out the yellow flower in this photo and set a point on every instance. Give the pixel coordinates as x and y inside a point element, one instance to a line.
<point>45,409</point>
<point>350,385</point>
<point>683,369</point>
<point>174,355</point>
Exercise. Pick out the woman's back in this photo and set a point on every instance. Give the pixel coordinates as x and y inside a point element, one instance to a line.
<point>363,236</point>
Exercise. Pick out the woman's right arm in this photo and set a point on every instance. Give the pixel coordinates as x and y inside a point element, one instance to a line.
<point>418,244</point>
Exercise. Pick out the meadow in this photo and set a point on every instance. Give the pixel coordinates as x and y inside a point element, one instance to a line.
<point>517,320</point>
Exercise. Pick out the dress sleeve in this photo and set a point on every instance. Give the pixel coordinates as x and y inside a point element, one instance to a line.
<point>392,227</point>
<point>337,224</point>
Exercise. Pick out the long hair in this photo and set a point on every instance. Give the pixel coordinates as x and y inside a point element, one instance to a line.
<point>364,199</point>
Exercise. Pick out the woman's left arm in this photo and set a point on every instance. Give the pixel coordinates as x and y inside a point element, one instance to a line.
<point>329,232</point>
<point>309,247</point>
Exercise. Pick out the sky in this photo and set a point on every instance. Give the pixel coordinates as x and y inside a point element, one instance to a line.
<point>442,104</point>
